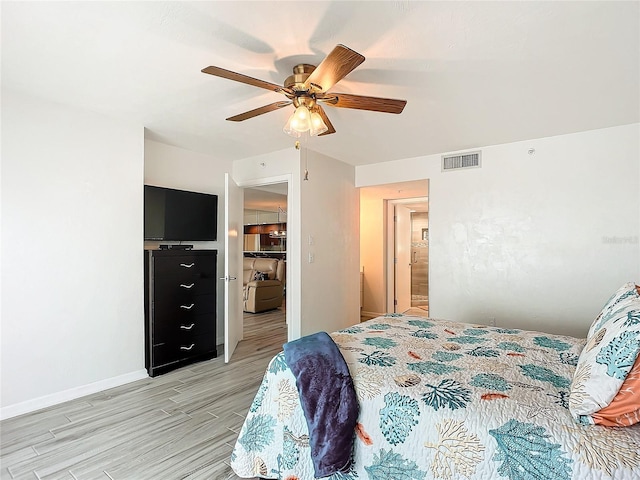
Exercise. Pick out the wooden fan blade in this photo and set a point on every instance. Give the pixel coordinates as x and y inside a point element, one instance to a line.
<point>238,77</point>
<point>258,111</point>
<point>337,65</point>
<point>376,104</point>
<point>326,121</point>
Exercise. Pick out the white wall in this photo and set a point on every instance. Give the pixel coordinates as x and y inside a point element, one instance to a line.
<point>72,276</point>
<point>372,253</point>
<point>535,241</point>
<point>330,216</point>
<point>173,167</point>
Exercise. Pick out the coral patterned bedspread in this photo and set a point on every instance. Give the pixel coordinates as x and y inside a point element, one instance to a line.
<point>443,400</point>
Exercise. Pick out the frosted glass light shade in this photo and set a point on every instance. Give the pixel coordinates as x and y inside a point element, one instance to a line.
<point>301,119</point>
<point>288,127</point>
<point>317,125</point>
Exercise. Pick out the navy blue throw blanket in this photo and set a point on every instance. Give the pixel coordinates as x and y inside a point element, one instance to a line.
<point>328,400</point>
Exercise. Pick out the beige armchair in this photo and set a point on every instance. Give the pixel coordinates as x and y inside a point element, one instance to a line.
<point>262,295</point>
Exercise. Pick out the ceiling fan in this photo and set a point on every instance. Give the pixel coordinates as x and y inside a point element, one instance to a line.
<point>307,88</point>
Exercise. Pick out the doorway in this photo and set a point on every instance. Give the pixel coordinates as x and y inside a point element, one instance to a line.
<point>408,254</point>
<point>377,248</point>
<point>265,237</point>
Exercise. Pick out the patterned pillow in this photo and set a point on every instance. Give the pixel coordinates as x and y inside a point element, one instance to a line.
<point>627,291</point>
<point>260,276</point>
<point>607,358</point>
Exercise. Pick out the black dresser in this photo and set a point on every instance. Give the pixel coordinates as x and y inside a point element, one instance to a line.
<point>179,308</point>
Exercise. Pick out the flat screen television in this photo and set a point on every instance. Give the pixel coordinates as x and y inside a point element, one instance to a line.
<point>179,215</point>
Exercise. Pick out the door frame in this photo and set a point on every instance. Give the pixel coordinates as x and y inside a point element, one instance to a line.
<point>293,252</point>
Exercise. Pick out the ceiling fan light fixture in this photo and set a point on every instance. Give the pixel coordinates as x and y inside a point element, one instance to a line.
<point>317,125</point>
<point>308,85</point>
<point>289,128</point>
<point>302,119</point>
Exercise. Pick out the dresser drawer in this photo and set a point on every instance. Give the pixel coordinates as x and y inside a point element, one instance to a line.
<point>176,350</point>
<point>183,288</point>
<point>184,266</point>
<point>174,310</point>
<point>186,330</point>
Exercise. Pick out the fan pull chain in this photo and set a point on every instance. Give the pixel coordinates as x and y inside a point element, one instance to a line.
<point>306,170</point>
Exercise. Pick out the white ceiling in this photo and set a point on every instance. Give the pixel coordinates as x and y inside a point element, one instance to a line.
<point>270,198</point>
<point>473,73</point>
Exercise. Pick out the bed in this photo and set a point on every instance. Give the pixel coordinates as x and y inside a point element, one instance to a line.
<point>444,400</point>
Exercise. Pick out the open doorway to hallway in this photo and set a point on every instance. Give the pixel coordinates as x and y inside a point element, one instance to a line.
<point>377,249</point>
<point>264,269</point>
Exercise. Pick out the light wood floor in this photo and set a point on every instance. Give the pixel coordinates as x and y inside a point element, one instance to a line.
<point>181,425</point>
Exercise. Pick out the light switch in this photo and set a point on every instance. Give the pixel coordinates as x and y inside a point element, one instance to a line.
<point>311,257</point>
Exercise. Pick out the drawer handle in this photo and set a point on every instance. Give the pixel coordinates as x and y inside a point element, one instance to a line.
<point>187,266</point>
<point>189,347</point>
<point>184,327</point>
<point>187,286</point>
<point>187,307</point>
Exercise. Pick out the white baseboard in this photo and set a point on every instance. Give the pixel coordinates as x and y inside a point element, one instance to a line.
<point>71,394</point>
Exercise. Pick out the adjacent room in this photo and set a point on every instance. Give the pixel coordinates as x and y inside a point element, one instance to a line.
<point>434,206</point>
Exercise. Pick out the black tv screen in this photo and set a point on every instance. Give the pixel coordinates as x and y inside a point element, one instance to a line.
<point>179,215</point>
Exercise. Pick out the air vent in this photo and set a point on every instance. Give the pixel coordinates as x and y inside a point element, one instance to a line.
<point>461,160</point>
